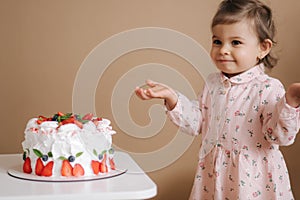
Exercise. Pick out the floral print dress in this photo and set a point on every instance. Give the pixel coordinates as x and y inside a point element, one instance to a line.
<point>243,120</point>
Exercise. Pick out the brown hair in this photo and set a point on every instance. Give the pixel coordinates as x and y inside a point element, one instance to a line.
<point>232,11</point>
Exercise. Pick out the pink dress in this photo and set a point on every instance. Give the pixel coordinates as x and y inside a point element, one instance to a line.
<point>243,121</point>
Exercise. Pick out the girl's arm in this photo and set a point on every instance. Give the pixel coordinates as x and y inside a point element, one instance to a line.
<point>186,115</point>
<point>181,111</point>
<point>280,117</point>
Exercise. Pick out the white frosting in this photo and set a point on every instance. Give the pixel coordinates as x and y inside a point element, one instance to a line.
<point>68,140</point>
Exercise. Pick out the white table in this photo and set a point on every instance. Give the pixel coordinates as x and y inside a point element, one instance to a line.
<point>134,184</point>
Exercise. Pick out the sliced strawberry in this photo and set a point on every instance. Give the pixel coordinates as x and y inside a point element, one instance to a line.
<point>27,166</point>
<point>60,114</point>
<point>39,121</point>
<point>96,122</point>
<point>103,168</point>
<point>66,168</point>
<point>112,164</point>
<point>88,116</point>
<point>78,123</point>
<point>39,166</point>
<point>95,166</point>
<point>42,118</point>
<point>68,121</point>
<point>78,170</point>
<point>47,171</point>
<point>104,158</point>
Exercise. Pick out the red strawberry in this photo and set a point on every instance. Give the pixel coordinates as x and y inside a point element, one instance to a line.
<point>88,116</point>
<point>78,123</point>
<point>95,166</point>
<point>112,164</point>
<point>103,168</point>
<point>39,166</point>
<point>78,170</point>
<point>66,168</point>
<point>43,118</point>
<point>68,121</point>
<point>27,166</point>
<point>96,122</point>
<point>104,159</point>
<point>60,114</point>
<point>47,171</point>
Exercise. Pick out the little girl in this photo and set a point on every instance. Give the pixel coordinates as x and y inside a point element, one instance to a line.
<point>243,114</point>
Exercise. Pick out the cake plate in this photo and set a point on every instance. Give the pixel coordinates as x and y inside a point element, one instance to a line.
<point>17,172</point>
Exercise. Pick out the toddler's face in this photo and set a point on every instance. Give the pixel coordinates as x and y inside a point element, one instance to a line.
<point>235,47</point>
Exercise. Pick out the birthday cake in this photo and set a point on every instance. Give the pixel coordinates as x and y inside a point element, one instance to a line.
<point>66,145</point>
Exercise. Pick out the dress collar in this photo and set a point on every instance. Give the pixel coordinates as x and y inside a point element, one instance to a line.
<point>246,76</point>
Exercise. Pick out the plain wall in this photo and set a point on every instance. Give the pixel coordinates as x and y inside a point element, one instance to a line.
<point>43,44</point>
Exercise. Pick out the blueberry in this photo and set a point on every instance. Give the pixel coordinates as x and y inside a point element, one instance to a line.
<point>100,156</point>
<point>71,158</point>
<point>44,158</point>
<point>54,118</point>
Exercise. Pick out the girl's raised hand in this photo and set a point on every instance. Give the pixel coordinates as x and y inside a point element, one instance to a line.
<point>157,90</point>
<point>293,95</point>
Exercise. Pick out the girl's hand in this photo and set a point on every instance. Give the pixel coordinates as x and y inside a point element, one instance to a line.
<point>157,90</point>
<point>293,95</point>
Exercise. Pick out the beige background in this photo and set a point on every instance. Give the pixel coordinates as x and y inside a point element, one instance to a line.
<point>43,44</point>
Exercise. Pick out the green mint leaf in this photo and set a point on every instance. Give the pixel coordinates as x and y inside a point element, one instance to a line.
<point>50,154</point>
<point>95,152</point>
<point>84,121</point>
<point>37,153</point>
<point>79,154</point>
<point>24,155</point>
<point>111,151</point>
<point>63,158</point>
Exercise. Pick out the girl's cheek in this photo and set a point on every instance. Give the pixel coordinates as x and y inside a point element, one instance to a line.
<point>212,53</point>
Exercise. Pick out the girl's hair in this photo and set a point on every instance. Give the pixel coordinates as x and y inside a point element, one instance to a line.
<point>232,11</point>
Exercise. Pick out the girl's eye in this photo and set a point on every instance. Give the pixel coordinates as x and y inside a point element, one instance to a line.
<point>217,42</point>
<point>235,42</point>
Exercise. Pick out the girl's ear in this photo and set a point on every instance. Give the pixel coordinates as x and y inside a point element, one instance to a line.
<point>265,48</point>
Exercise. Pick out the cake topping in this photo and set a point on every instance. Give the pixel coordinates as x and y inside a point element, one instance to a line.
<point>69,118</point>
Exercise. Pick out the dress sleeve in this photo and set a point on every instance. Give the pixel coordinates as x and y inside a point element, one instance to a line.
<point>281,122</point>
<point>186,115</point>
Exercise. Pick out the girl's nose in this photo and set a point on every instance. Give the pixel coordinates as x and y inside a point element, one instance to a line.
<point>225,50</point>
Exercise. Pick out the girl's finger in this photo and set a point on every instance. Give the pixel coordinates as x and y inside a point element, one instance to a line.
<point>141,93</point>
<point>151,83</point>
